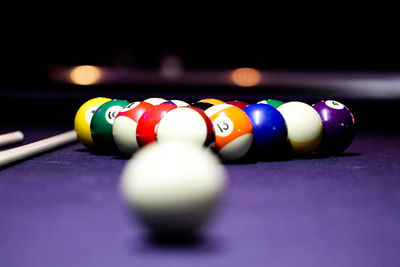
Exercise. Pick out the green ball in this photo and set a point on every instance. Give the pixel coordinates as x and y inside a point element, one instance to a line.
<point>102,122</point>
<point>272,102</point>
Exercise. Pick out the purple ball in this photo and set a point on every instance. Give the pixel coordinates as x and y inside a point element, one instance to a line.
<point>338,127</point>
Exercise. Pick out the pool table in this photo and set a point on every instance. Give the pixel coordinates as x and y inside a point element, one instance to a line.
<point>64,208</point>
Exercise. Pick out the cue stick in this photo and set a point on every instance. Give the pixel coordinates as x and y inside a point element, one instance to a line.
<point>14,154</point>
<point>11,138</point>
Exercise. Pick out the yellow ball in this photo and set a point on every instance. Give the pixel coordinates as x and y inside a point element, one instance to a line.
<point>84,116</point>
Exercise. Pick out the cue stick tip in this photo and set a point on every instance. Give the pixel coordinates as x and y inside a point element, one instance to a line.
<point>11,138</point>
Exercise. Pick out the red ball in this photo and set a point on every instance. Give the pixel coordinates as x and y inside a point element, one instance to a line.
<point>147,124</point>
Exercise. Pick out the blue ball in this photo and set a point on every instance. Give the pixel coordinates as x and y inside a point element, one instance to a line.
<point>269,128</point>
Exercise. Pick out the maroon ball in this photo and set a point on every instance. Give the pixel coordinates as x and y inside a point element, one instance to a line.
<point>338,127</point>
<point>237,103</point>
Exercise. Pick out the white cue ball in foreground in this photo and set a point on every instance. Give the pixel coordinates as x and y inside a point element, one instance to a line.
<point>173,187</point>
<point>304,126</point>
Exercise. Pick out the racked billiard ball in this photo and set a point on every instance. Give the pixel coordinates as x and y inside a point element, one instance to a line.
<point>272,102</point>
<point>212,101</point>
<point>233,131</point>
<point>201,105</point>
<point>186,124</point>
<point>238,103</point>
<point>102,122</point>
<point>269,129</point>
<point>304,126</point>
<point>155,100</point>
<point>338,127</point>
<point>146,131</point>
<point>177,102</point>
<point>125,124</point>
<point>83,118</point>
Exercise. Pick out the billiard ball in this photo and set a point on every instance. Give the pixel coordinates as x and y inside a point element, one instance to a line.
<point>155,100</point>
<point>186,124</point>
<point>304,126</point>
<point>83,118</point>
<point>272,102</point>
<point>233,131</point>
<point>177,102</point>
<point>269,129</point>
<point>237,103</point>
<point>146,131</point>
<point>212,101</point>
<point>173,187</point>
<point>125,124</point>
<point>201,105</point>
<point>101,125</point>
<point>338,127</point>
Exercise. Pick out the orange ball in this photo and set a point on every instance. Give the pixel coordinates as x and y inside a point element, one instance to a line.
<point>233,131</point>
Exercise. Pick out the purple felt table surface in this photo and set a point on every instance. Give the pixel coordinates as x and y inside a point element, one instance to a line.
<point>64,208</point>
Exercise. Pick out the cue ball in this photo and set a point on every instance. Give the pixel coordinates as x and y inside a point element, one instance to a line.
<point>83,118</point>
<point>338,127</point>
<point>304,126</point>
<point>125,124</point>
<point>173,187</point>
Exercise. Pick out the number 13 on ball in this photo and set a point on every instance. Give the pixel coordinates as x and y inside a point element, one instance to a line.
<point>233,131</point>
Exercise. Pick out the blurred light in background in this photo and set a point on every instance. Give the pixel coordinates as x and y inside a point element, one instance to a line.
<point>171,66</point>
<point>85,75</point>
<point>246,77</point>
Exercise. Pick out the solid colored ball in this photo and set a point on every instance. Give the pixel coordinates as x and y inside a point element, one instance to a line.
<point>155,100</point>
<point>146,131</point>
<point>178,103</point>
<point>237,103</point>
<point>304,126</point>
<point>125,124</point>
<point>173,187</point>
<point>102,122</point>
<point>186,124</point>
<point>212,101</point>
<point>272,102</point>
<point>269,128</point>
<point>202,105</point>
<point>233,131</point>
<point>83,118</point>
<point>338,127</point>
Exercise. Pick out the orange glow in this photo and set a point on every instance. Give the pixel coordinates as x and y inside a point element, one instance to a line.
<point>246,77</point>
<point>85,75</point>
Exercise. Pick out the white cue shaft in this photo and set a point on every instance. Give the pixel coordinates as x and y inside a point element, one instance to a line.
<point>11,138</point>
<point>14,154</point>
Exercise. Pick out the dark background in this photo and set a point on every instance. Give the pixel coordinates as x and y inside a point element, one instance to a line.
<point>31,51</point>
